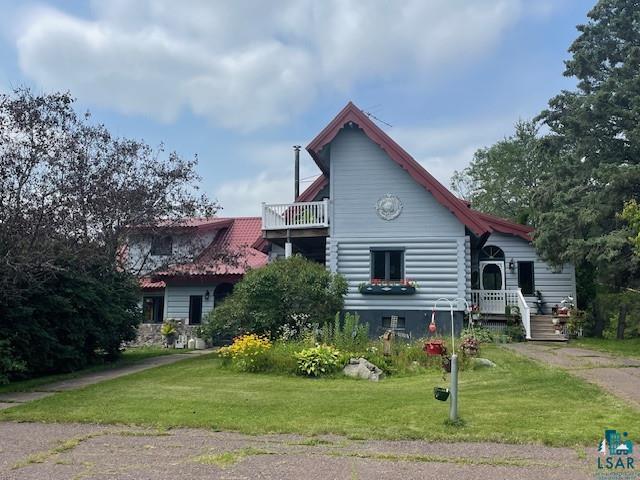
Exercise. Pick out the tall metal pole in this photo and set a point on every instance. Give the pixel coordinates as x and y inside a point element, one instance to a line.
<point>296,172</point>
<point>453,389</point>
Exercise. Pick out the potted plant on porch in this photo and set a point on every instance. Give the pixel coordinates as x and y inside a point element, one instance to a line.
<point>169,332</point>
<point>200,335</point>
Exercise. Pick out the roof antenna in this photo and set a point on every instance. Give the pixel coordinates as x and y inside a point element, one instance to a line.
<point>372,116</point>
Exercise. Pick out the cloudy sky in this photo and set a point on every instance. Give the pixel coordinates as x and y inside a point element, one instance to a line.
<point>240,82</point>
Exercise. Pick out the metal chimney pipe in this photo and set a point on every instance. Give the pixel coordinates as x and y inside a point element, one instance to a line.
<point>296,172</point>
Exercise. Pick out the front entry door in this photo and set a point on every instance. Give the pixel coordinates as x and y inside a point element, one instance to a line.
<point>492,296</point>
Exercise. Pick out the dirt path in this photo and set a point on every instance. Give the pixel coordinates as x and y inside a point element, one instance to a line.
<point>64,451</point>
<point>10,399</point>
<point>618,375</point>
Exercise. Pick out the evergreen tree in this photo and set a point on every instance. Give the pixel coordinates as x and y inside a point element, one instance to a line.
<point>596,132</point>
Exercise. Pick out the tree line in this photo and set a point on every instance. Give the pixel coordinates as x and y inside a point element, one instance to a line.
<point>573,171</point>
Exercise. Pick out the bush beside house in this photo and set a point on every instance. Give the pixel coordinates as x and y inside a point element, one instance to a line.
<point>280,294</point>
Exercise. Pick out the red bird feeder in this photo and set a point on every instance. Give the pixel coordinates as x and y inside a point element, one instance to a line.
<point>434,347</point>
<point>432,325</point>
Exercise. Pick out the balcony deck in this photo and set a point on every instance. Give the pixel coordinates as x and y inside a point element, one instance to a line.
<point>295,220</point>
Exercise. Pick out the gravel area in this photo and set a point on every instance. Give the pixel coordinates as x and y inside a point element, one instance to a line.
<point>63,451</point>
<point>618,375</point>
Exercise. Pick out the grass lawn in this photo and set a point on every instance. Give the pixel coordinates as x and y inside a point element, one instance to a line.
<point>519,401</point>
<point>129,356</point>
<point>629,347</point>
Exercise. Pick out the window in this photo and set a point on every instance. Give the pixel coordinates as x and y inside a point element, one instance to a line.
<point>195,309</point>
<point>161,245</point>
<point>387,264</point>
<point>491,252</point>
<point>153,309</point>
<point>388,321</point>
<point>525,278</point>
<point>221,292</point>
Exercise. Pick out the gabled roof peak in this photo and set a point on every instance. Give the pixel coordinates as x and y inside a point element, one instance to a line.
<point>351,113</point>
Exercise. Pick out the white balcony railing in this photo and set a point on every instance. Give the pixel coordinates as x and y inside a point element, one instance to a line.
<point>280,216</point>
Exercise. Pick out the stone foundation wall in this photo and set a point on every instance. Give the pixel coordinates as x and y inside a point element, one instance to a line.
<point>149,334</point>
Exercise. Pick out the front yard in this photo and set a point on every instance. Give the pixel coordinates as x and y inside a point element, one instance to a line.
<point>130,356</point>
<point>628,348</point>
<point>518,402</point>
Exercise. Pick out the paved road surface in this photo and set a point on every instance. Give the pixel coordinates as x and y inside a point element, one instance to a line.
<point>76,451</point>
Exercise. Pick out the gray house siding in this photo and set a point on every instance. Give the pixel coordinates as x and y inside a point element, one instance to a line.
<point>553,286</point>
<point>176,300</point>
<point>435,247</point>
<point>436,264</point>
<point>361,172</point>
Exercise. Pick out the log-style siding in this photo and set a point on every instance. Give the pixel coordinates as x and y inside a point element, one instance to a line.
<point>554,286</point>
<point>433,240</point>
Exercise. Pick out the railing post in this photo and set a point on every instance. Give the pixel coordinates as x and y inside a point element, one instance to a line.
<point>325,212</point>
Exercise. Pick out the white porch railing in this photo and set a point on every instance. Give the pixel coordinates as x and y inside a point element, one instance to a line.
<point>280,216</point>
<point>496,301</point>
<point>525,313</point>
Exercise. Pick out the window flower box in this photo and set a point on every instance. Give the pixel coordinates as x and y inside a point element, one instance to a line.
<point>381,287</point>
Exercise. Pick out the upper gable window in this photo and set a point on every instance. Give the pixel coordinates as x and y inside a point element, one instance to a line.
<point>162,245</point>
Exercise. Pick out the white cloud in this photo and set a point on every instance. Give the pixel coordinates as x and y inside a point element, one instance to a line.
<point>273,183</point>
<point>248,64</point>
<point>446,148</point>
<point>244,197</point>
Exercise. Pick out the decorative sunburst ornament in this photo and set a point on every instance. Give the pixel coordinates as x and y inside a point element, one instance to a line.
<point>389,207</point>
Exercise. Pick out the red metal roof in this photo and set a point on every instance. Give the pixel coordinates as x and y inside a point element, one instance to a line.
<point>192,223</point>
<point>146,283</point>
<point>238,239</point>
<point>505,226</point>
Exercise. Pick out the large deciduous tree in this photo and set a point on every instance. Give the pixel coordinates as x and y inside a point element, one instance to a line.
<point>70,193</point>
<point>502,178</point>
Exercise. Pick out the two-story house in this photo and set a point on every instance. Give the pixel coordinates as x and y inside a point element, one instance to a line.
<point>406,245</point>
<point>188,267</point>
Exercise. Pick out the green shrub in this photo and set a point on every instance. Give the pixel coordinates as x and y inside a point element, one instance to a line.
<point>281,358</point>
<point>348,335</point>
<point>481,334</point>
<point>281,293</point>
<point>515,332</point>
<point>318,361</point>
<point>80,316</point>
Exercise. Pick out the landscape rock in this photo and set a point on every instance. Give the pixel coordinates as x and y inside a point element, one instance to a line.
<point>362,368</point>
<point>483,362</point>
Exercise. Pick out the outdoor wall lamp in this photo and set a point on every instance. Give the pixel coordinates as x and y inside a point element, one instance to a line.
<point>207,295</point>
<point>512,265</point>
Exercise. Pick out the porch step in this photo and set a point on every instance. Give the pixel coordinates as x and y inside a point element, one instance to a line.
<point>543,330</point>
<point>548,338</point>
